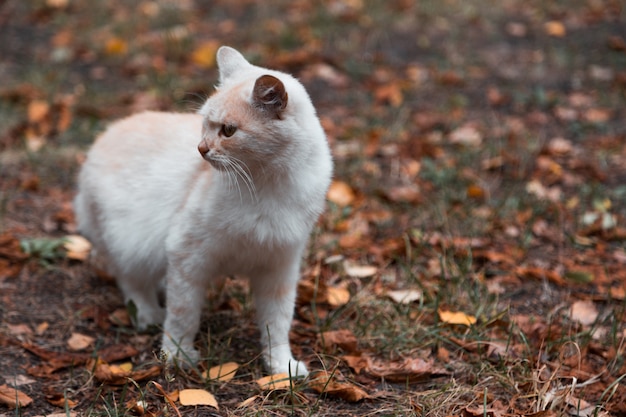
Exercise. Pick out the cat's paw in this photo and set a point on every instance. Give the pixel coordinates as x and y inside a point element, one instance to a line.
<point>297,369</point>
<point>179,355</point>
<point>292,367</point>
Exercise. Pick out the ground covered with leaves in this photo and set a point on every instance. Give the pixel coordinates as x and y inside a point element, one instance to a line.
<point>472,258</point>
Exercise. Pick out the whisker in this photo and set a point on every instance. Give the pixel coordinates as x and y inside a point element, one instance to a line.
<point>231,169</point>
<point>244,173</point>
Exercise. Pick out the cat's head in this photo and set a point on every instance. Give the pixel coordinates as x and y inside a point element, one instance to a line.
<point>258,118</point>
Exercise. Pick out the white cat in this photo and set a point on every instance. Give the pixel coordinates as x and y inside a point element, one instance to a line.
<point>162,216</point>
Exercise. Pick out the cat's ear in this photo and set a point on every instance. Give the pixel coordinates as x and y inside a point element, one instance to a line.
<point>229,61</point>
<point>269,95</point>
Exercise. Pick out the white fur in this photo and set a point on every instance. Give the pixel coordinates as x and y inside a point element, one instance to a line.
<point>160,216</point>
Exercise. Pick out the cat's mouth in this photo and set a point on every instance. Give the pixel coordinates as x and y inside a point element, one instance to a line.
<point>216,162</point>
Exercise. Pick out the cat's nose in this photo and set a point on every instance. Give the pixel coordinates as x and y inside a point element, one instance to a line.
<point>203,148</point>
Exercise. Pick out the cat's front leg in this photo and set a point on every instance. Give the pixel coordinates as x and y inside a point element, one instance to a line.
<point>184,301</point>
<point>274,297</point>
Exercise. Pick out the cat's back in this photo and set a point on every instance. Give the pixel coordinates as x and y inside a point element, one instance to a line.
<point>148,134</point>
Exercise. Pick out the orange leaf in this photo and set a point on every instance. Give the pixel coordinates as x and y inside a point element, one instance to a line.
<point>332,384</point>
<point>274,382</point>
<point>340,193</point>
<point>224,372</point>
<point>475,191</point>
<point>458,317</point>
<point>204,54</point>
<point>337,296</point>
<point>116,46</point>
<point>13,398</point>
<point>37,110</point>
<point>197,397</point>
<point>554,28</point>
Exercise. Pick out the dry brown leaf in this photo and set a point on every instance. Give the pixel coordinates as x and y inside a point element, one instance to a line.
<point>340,193</point>
<point>120,374</point>
<point>456,317</point>
<point>120,317</point>
<point>408,369</point>
<point>334,385</point>
<point>403,194</point>
<point>356,362</point>
<point>77,247</point>
<point>344,338</point>
<point>13,398</point>
<point>79,341</point>
<point>60,400</point>
<point>197,397</point>
<point>274,382</point>
<point>337,296</point>
<point>584,312</point>
<point>224,372</point>
<point>390,93</point>
<point>475,191</point>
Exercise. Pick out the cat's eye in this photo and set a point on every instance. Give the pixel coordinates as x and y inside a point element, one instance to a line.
<point>228,130</point>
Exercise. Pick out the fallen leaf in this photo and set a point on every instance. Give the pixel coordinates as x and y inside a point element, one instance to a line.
<point>120,317</point>
<point>197,397</point>
<point>18,380</point>
<point>61,400</point>
<point>13,398</point>
<point>343,338</point>
<point>245,403</point>
<point>597,115</point>
<point>584,312</point>
<point>37,111</point>
<point>77,247</point>
<point>337,296</point>
<point>340,193</point>
<point>204,54</point>
<point>41,328</point>
<point>466,135</point>
<point>407,369</point>
<point>457,317</point>
<point>120,374</point>
<point>407,296</point>
<point>403,194</point>
<point>274,382</point>
<point>359,271</point>
<point>19,329</point>
<point>356,362</point>
<point>116,46</point>
<point>390,93</point>
<point>79,341</point>
<point>475,191</point>
<point>224,372</point>
<point>554,28</point>
<point>333,384</point>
